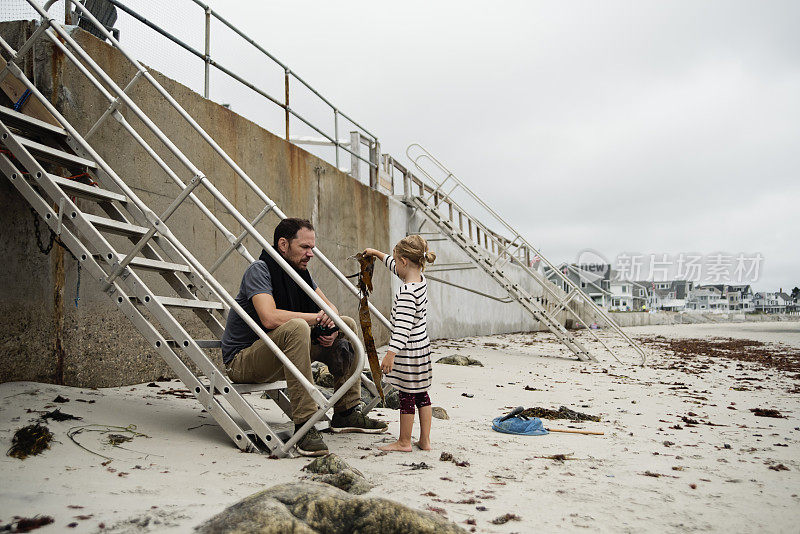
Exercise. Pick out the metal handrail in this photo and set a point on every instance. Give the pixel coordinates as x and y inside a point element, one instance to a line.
<point>424,154</point>
<point>409,178</point>
<point>164,230</point>
<point>206,57</point>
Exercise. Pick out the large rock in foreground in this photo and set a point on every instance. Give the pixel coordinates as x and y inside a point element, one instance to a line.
<point>316,508</point>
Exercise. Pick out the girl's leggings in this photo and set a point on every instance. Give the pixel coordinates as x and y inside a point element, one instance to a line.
<point>408,400</point>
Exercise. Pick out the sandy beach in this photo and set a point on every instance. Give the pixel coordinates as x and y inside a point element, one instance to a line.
<point>681,451</point>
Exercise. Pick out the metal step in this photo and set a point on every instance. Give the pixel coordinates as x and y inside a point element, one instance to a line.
<point>54,155</point>
<point>115,227</point>
<point>254,388</point>
<point>24,122</point>
<point>202,343</point>
<point>176,302</point>
<point>155,265</point>
<point>87,191</point>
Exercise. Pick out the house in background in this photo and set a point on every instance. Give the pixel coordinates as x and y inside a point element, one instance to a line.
<point>593,279</point>
<point>794,307</point>
<point>627,295</point>
<point>667,295</point>
<point>602,284</point>
<point>739,297</point>
<point>766,302</point>
<point>704,299</point>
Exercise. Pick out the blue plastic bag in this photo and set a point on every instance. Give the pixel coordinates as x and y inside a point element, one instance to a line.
<point>522,426</point>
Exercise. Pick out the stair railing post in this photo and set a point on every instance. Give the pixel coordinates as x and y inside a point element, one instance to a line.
<point>207,58</point>
<point>355,153</point>
<point>374,159</point>
<point>336,134</point>
<point>287,109</point>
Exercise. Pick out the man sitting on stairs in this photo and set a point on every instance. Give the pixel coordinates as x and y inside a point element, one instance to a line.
<point>270,296</point>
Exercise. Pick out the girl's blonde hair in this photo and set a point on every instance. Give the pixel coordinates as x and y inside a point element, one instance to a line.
<point>414,248</point>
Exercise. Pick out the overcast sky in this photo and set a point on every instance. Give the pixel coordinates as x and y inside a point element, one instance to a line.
<point>623,127</point>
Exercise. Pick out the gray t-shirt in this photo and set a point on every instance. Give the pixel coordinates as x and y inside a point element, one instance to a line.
<point>238,335</point>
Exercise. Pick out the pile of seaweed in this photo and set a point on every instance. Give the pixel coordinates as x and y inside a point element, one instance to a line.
<point>29,441</point>
<point>769,356</point>
<point>562,413</point>
<point>26,524</point>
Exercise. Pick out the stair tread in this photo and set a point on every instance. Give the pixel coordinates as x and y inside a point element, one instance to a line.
<point>51,153</point>
<point>266,386</point>
<point>113,226</point>
<point>155,265</point>
<point>87,191</point>
<point>202,343</point>
<point>17,119</point>
<point>178,302</point>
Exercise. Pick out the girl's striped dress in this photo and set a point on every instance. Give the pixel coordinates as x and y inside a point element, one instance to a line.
<point>412,371</point>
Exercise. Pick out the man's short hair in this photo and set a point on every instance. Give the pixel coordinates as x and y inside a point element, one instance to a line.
<point>289,227</point>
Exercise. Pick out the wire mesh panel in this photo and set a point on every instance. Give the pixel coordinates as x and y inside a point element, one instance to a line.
<point>21,10</point>
<point>181,18</point>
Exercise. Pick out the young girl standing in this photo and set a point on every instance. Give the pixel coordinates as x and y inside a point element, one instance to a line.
<point>407,364</point>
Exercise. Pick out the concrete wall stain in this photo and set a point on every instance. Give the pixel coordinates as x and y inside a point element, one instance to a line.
<point>57,257</point>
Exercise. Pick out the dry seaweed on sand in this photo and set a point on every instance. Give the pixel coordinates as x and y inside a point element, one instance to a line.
<point>767,412</point>
<point>58,415</point>
<point>416,466</point>
<point>656,475</point>
<point>117,439</point>
<point>558,457</point>
<point>562,413</point>
<point>29,441</point>
<point>505,518</point>
<point>766,355</point>
<point>180,393</point>
<point>115,435</point>
<point>448,457</point>
<point>26,524</point>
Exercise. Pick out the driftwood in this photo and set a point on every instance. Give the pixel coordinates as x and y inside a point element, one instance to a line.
<point>367,264</point>
<point>590,432</point>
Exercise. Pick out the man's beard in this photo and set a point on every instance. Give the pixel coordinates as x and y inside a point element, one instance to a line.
<point>296,264</point>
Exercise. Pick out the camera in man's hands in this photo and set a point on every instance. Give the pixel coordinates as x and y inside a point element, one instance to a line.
<point>318,330</point>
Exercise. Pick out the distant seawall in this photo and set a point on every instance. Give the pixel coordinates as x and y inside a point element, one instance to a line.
<point>656,318</point>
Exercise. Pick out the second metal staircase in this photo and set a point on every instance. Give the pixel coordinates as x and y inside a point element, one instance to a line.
<point>492,252</point>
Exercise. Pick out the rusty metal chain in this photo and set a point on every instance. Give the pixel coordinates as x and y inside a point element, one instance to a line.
<point>46,250</point>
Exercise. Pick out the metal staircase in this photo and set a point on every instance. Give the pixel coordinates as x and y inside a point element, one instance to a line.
<point>130,249</point>
<point>491,252</point>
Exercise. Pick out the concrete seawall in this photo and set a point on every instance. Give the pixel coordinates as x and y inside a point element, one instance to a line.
<point>656,318</point>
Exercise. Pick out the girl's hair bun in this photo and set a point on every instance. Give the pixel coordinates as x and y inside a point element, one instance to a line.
<point>415,249</point>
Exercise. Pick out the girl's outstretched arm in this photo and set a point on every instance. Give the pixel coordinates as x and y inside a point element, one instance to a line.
<point>384,258</point>
<point>372,252</point>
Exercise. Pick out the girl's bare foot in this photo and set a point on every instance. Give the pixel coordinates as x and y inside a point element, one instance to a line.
<point>396,447</point>
<point>424,445</point>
